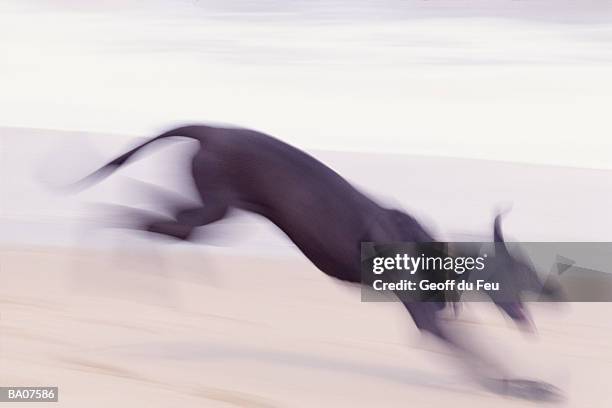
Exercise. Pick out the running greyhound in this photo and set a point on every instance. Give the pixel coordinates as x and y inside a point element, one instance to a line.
<point>324,215</point>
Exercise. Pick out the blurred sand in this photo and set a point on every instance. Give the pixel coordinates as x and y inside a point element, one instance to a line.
<point>195,326</point>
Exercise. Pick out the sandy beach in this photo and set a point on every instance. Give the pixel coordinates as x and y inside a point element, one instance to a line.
<point>150,328</point>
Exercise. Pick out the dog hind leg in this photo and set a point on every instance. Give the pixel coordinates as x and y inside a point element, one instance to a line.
<point>186,220</point>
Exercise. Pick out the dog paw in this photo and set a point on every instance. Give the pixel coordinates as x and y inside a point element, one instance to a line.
<point>525,389</point>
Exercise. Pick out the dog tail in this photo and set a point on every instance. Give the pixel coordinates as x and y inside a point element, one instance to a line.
<point>192,132</point>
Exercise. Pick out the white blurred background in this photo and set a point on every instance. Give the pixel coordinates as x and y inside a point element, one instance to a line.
<point>524,81</point>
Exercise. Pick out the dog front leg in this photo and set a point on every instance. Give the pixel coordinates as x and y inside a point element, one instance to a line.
<point>484,369</point>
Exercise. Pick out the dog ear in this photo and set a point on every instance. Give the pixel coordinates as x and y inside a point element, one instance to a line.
<point>497,232</point>
<point>501,249</point>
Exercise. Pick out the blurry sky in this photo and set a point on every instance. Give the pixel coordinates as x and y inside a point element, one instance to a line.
<point>525,81</point>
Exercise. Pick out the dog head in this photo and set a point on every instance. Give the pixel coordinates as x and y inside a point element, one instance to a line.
<point>516,276</point>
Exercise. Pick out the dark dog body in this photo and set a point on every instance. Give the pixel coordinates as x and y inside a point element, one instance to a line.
<point>324,215</point>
